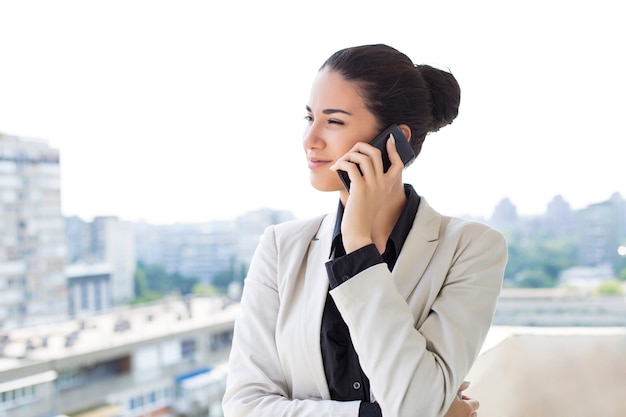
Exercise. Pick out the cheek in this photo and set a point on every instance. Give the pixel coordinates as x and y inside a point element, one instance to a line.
<point>339,145</point>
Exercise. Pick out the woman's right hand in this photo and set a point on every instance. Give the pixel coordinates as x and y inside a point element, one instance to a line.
<point>369,190</point>
<point>463,406</point>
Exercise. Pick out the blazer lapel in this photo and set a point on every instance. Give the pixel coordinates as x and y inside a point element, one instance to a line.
<point>418,249</point>
<point>316,289</point>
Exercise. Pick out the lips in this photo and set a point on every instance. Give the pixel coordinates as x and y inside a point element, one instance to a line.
<point>315,163</point>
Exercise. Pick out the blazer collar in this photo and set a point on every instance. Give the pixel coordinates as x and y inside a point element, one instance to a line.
<point>418,249</point>
<point>416,253</point>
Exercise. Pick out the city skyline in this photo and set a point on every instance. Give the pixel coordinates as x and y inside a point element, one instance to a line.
<point>194,112</point>
<point>295,216</point>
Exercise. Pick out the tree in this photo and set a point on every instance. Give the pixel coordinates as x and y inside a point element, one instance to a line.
<point>536,261</point>
<point>536,278</point>
<point>153,282</point>
<point>610,287</point>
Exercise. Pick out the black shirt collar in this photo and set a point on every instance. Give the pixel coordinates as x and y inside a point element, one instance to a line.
<point>400,230</point>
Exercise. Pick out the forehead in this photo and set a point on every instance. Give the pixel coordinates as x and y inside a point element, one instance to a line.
<point>331,90</point>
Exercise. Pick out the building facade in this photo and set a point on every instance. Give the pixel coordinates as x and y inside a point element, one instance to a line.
<point>167,359</point>
<point>89,289</point>
<point>105,239</point>
<point>602,230</point>
<point>32,238</point>
<point>205,251</point>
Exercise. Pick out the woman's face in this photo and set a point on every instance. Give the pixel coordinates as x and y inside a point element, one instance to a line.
<point>337,118</point>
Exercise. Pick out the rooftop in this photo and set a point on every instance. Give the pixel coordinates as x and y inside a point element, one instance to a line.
<point>87,334</point>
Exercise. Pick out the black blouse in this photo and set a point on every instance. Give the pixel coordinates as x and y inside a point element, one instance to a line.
<point>346,380</point>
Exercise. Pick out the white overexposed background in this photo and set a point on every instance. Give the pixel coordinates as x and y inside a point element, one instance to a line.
<point>185,111</point>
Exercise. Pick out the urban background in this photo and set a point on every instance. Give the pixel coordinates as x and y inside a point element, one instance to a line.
<point>106,317</point>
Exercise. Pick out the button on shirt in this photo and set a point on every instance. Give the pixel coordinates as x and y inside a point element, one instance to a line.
<point>346,380</point>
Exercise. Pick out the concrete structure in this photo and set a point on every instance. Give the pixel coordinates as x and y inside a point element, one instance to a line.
<point>549,372</point>
<point>166,359</point>
<point>32,239</point>
<point>559,307</point>
<point>89,289</point>
<point>169,360</point>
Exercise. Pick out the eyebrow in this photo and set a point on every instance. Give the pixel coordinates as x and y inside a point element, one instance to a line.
<point>331,111</point>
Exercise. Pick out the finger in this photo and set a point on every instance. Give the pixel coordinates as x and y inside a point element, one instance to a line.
<point>373,153</point>
<point>394,156</point>
<point>464,386</point>
<point>350,168</point>
<point>474,404</point>
<point>366,164</point>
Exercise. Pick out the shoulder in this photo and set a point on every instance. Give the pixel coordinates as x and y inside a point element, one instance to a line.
<point>294,232</point>
<point>467,227</point>
<point>460,230</point>
<point>296,225</point>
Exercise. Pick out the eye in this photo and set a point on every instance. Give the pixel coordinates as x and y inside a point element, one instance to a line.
<point>308,118</point>
<point>335,121</point>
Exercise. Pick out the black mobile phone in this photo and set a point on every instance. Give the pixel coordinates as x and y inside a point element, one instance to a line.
<point>380,142</point>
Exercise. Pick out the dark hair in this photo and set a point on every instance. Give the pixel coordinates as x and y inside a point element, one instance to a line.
<point>397,91</point>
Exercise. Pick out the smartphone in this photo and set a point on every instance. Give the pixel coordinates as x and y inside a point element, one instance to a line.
<point>402,145</point>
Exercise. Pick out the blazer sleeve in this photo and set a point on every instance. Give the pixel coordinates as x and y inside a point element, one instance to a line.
<point>416,369</point>
<point>256,384</point>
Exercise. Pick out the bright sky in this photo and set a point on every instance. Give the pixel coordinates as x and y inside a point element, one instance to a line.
<point>183,111</point>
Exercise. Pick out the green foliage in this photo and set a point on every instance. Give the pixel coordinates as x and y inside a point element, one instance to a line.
<point>610,287</point>
<point>536,261</point>
<point>152,282</point>
<point>204,290</point>
<point>223,279</point>
<point>536,278</point>
<point>622,275</point>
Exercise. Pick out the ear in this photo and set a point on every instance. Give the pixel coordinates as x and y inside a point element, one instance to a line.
<point>406,130</point>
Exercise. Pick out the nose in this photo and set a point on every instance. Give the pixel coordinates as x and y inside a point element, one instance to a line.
<point>312,138</point>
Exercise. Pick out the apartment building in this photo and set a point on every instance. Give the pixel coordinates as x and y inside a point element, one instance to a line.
<point>602,228</point>
<point>166,359</point>
<point>32,239</point>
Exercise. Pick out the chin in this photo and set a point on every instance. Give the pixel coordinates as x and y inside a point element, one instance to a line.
<point>326,184</point>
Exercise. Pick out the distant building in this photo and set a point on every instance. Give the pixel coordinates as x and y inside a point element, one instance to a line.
<point>601,227</point>
<point>204,251</point>
<point>504,214</point>
<point>585,278</point>
<point>32,239</point>
<point>198,251</point>
<point>105,240</point>
<point>251,225</point>
<point>560,218</point>
<point>89,288</point>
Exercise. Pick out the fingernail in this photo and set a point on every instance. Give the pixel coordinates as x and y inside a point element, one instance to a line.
<point>392,138</point>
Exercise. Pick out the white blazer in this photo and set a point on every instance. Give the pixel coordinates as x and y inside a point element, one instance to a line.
<point>417,330</point>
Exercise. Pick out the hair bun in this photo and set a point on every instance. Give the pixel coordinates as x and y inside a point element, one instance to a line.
<point>445,95</point>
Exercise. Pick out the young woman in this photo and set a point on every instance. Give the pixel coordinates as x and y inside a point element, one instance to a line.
<point>382,307</point>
